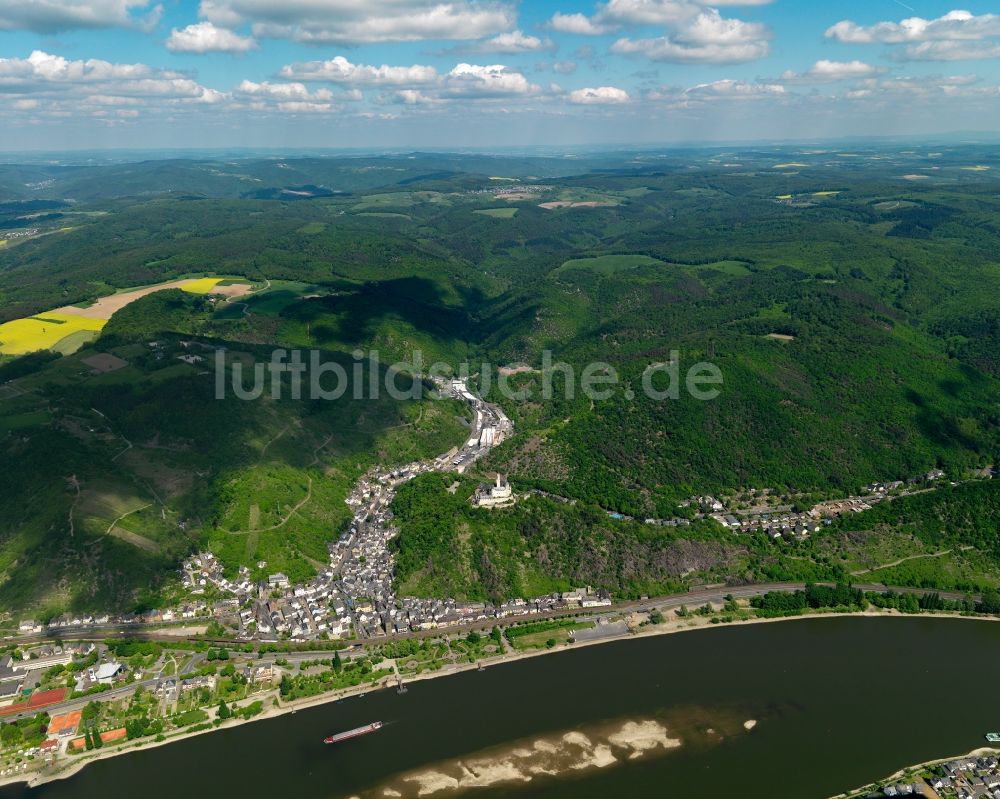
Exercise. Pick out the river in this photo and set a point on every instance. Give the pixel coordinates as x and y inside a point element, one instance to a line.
<point>837,703</point>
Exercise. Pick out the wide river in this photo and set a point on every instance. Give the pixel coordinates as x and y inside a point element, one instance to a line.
<point>837,703</point>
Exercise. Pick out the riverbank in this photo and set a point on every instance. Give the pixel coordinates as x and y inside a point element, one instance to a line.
<point>903,773</point>
<point>70,765</point>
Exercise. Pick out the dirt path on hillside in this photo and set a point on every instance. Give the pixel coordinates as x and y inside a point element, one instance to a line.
<point>940,554</point>
<point>105,307</point>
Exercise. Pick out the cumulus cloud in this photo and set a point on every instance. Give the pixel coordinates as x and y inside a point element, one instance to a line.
<point>708,37</point>
<point>719,92</point>
<point>578,24</point>
<point>955,25</point>
<point>565,67</point>
<point>646,12</point>
<point>955,50</point>
<point>735,89</point>
<point>54,16</point>
<point>494,80</point>
<point>826,71</point>
<point>292,98</point>
<point>927,88</point>
<point>341,21</point>
<point>838,70</point>
<point>205,37</point>
<point>956,36</point>
<point>415,97</point>
<point>340,70</point>
<point>55,86</point>
<point>511,43</point>
<point>44,70</point>
<point>416,84</point>
<point>282,91</point>
<point>601,95</point>
<point>615,14</point>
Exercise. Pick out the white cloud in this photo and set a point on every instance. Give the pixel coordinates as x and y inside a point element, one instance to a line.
<point>948,51</point>
<point>415,97</point>
<point>418,85</point>
<point>512,43</point>
<point>54,16</point>
<point>926,89</point>
<point>838,70</point>
<point>205,37</point>
<point>736,90</point>
<point>218,12</point>
<point>826,71</point>
<point>340,21</point>
<point>286,98</point>
<point>299,107</point>
<point>646,12</point>
<point>42,69</point>
<point>282,91</point>
<point>601,95</point>
<point>719,92</point>
<point>340,70</point>
<point>708,37</point>
<point>55,86</point>
<point>615,14</point>
<point>473,80</point>
<point>956,36</point>
<point>955,25</point>
<point>578,24</point>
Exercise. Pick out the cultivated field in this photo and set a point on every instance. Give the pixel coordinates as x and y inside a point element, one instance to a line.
<point>69,328</point>
<point>44,332</point>
<point>105,307</point>
<point>608,264</point>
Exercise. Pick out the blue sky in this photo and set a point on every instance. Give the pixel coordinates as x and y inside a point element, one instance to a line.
<point>488,73</point>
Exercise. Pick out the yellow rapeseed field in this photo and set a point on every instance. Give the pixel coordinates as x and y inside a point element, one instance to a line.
<point>71,324</point>
<point>43,332</point>
<point>201,285</point>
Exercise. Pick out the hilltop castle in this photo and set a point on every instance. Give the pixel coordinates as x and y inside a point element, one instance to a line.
<point>494,496</point>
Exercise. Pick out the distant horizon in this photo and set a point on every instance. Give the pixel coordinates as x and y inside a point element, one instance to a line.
<point>953,139</point>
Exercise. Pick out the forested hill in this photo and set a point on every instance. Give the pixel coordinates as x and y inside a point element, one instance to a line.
<point>851,308</point>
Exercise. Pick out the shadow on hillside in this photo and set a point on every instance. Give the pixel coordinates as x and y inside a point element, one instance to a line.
<point>353,319</point>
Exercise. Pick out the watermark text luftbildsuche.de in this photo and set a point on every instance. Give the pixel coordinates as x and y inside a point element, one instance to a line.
<point>307,374</point>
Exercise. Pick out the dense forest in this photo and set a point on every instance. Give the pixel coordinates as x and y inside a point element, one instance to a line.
<point>447,547</point>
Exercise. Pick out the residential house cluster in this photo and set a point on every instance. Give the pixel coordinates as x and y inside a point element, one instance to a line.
<point>901,789</point>
<point>19,234</point>
<point>968,778</point>
<point>789,526</point>
<point>355,593</point>
<point>511,188</point>
<point>425,614</point>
